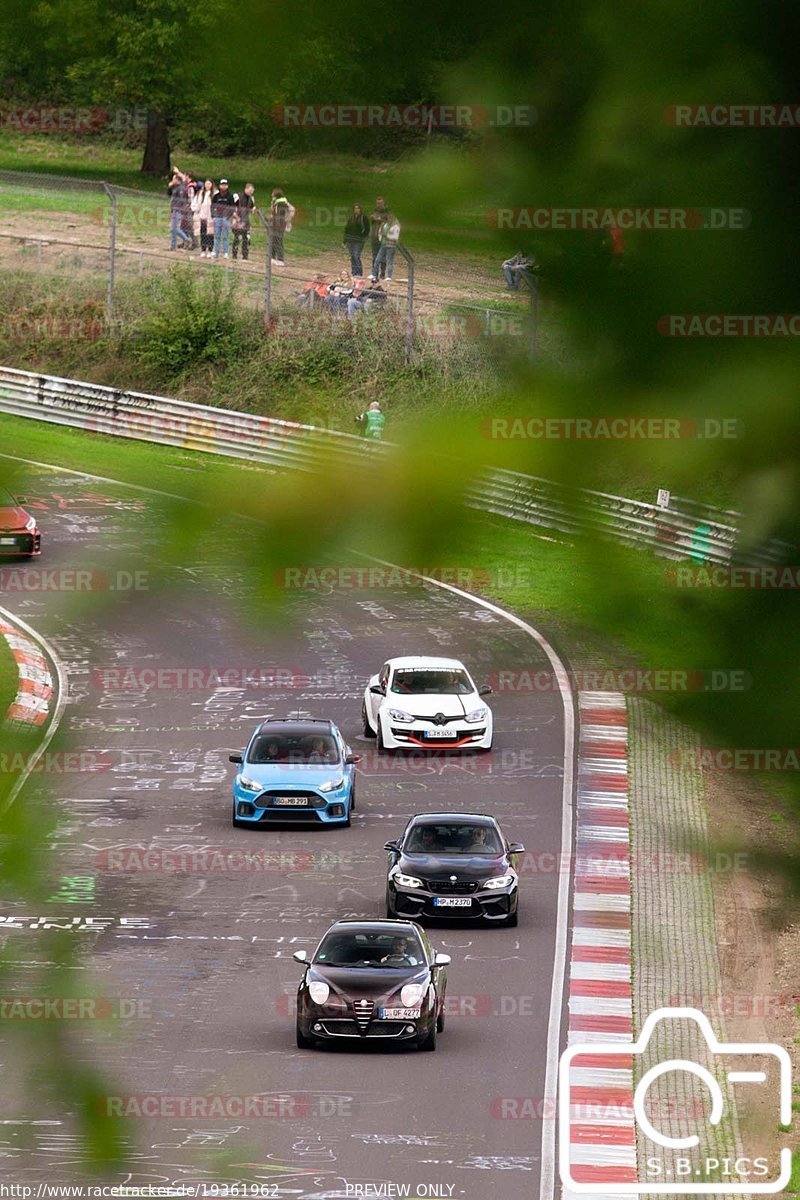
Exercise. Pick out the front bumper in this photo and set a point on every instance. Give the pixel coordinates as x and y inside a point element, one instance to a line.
<point>321,808</point>
<point>495,904</point>
<point>462,735</point>
<point>320,1023</point>
<point>17,545</point>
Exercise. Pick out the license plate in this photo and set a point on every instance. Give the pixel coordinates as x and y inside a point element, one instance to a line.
<point>7,541</point>
<point>451,902</point>
<point>441,733</point>
<point>292,801</point>
<point>399,1014</point>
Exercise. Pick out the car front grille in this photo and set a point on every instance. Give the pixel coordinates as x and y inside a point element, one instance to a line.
<point>445,887</point>
<point>363,1010</point>
<point>267,799</point>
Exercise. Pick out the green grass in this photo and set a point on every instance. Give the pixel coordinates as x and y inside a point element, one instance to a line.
<point>9,678</point>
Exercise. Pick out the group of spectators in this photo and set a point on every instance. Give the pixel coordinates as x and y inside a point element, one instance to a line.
<point>206,215</point>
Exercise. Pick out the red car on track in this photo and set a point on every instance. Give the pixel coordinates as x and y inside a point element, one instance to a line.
<point>19,533</point>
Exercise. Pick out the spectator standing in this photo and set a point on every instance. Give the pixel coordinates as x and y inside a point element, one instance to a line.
<point>373,421</point>
<point>355,234</point>
<point>222,206</point>
<point>281,214</point>
<point>178,201</point>
<point>376,220</point>
<point>241,221</point>
<point>187,225</point>
<point>384,259</point>
<point>202,209</point>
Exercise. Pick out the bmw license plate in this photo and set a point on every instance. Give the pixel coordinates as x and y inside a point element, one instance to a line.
<point>8,541</point>
<point>451,902</point>
<point>291,801</point>
<point>440,733</point>
<point>399,1014</point>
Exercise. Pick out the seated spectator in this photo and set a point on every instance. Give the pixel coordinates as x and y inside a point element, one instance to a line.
<point>316,288</point>
<point>518,269</point>
<point>369,297</point>
<point>340,291</point>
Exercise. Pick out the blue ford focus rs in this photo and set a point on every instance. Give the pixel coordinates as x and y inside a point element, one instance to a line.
<point>293,772</point>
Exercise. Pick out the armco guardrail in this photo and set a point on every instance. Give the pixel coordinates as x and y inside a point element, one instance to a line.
<point>685,529</point>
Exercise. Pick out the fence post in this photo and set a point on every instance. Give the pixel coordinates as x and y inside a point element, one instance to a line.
<point>112,249</point>
<point>534,316</point>
<point>409,304</point>
<point>267,271</point>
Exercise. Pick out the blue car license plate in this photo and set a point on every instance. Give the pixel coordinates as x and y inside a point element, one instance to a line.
<point>291,801</point>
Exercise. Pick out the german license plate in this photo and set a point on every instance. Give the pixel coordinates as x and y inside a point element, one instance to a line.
<point>440,733</point>
<point>8,541</point>
<point>291,801</point>
<point>451,902</point>
<point>399,1014</point>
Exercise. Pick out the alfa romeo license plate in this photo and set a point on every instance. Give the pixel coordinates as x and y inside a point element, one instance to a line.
<point>399,1014</point>
<point>451,902</point>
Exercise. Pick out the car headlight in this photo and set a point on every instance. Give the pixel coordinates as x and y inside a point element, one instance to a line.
<point>411,994</point>
<point>397,714</point>
<point>409,881</point>
<point>249,785</point>
<point>499,881</point>
<point>477,714</point>
<point>31,525</point>
<point>333,785</point>
<point>319,991</point>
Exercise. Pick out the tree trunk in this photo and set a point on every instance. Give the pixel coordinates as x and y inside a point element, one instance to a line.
<point>157,149</point>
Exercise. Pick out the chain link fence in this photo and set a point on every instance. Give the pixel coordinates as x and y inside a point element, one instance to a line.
<point>117,237</point>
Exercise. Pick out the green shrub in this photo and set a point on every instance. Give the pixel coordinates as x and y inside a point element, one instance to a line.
<point>192,322</point>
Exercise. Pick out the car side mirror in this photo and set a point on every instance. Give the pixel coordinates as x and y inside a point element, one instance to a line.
<point>300,956</point>
<point>516,848</point>
<point>352,758</point>
<point>377,689</point>
<point>21,499</point>
<point>485,690</point>
<point>391,845</point>
<point>441,960</point>
<point>236,758</point>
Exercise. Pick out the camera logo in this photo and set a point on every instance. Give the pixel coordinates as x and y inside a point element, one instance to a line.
<point>677,1162</point>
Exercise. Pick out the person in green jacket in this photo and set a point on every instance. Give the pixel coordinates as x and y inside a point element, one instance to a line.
<point>373,421</point>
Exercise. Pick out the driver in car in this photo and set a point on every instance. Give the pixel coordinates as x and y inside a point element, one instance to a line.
<point>399,955</point>
<point>319,753</point>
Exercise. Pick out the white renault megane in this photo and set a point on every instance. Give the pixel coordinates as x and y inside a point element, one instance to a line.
<point>420,701</point>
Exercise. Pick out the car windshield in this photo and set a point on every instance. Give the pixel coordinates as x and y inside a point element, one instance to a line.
<point>294,750</point>
<point>381,950</point>
<point>430,683</point>
<point>452,839</point>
